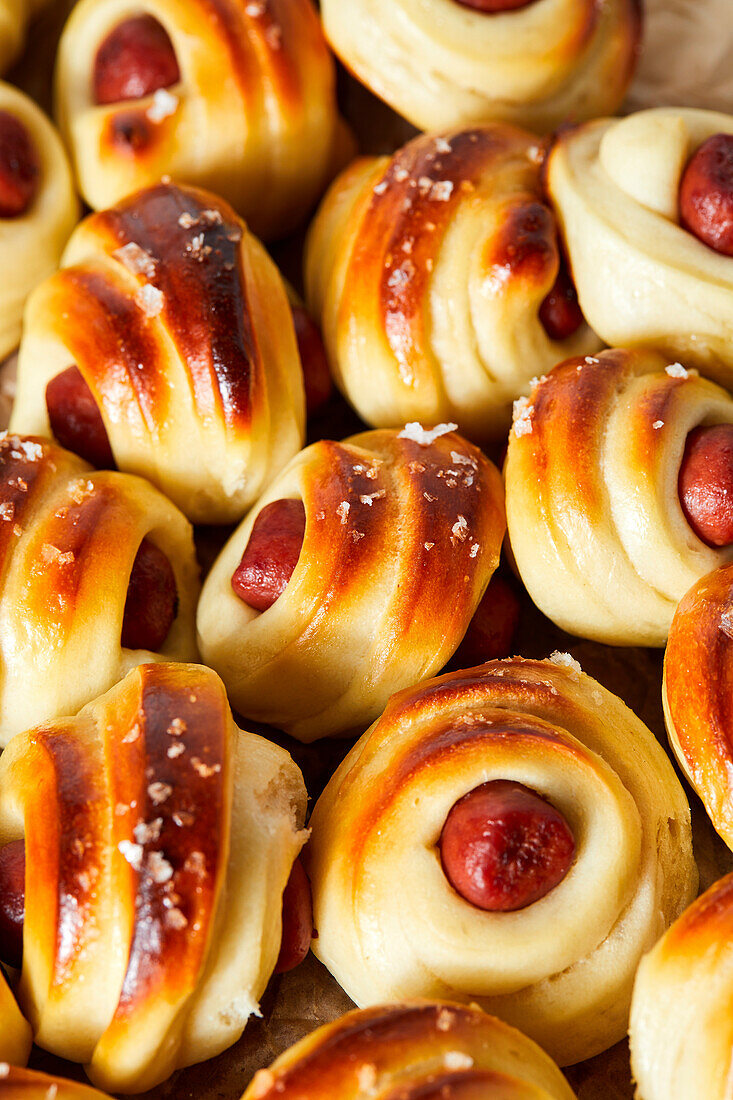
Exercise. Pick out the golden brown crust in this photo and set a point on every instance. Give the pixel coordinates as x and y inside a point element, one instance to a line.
<point>390,925</point>
<point>428,271</point>
<point>26,1084</point>
<point>253,115</point>
<point>594,514</point>
<point>698,693</point>
<point>180,325</point>
<point>400,542</point>
<point>68,540</point>
<point>145,819</point>
<point>412,1050</point>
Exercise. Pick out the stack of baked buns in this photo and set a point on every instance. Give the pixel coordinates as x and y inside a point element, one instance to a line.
<point>211,558</point>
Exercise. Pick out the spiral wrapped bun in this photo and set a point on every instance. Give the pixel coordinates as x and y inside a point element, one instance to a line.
<point>429,271</point>
<point>595,518</point>
<point>448,64</point>
<point>410,1051</point>
<point>402,534</point>
<point>390,924</point>
<point>69,537</point>
<point>15,1031</point>
<point>32,240</point>
<point>680,1032</point>
<point>250,113</point>
<point>180,326</point>
<point>159,839</point>
<point>696,693</point>
<point>26,1084</point>
<point>642,277</point>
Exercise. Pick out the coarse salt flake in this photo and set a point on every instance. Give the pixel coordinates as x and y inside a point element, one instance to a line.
<point>7,510</point>
<point>442,146</point>
<point>456,1059</point>
<point>658,424</point>
<point>133,853</point>
<point>150,300</point>
<point>176,728</point>
<point>441,190</point>
<point>369,498</point>
<point>367,1076</point>
<point>204,770</point>
<point>175,750</point>
<point>676,370</point>
<point>523,417</point>
<point>164,104</point>
<point>459,530</point>
<point>160,869</point>
<point>159,793</point>
<point>135,259</point>
<point>565,660</point>
<point>147,831</point>
<point>343,511</point>
<point>425,436</point>
<point>175,919</point>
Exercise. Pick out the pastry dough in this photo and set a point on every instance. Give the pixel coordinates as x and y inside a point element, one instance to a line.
<point>595,520</point>
<point>31,244</point>
<point>390,925</point>
<point>15,1031</point>
<point>641,277</point>
<point>681,1041</point>
<point>418,1049</point>
<point>253,116</point>
<point>180,324</point>
<point>443,64</point>
<point>159,839</point>
<point>14,16</point>
<point>696,693</point>
<point>68,540</point>
<point>428,271</point>
<point>401,540</point>
<point>26,1084</point>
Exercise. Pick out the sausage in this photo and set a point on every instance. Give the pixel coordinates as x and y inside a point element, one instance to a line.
<point>152,599</point>
<point>316,375</point>
<point>12,902</point>
<point>706,484</point>
<point>495,7</point>
<point>706,194</point>
<point>20,168</point>
<point>75,419</point>
<point>503,847</point>
<point>297,920</point>
<point>492,628</point>
<point>271,554</point>
<point>134,60</point>
<point>560,312</point>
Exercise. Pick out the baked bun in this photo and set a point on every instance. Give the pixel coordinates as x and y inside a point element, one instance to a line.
<point>418,1049</point>
<point>170,325</point>
<point>460,62</point>
<point>680,1036</point>
<point>151,931</point>
<point>596,493</point>
<point>238,97</point>
<point>390,539</point>
<point>15,1031</point>
<point>38,206</point>
<point>696,693</point>
<point>26,1084</point>
<point>643,276</point>
<point>89,561</point>
<point>397,852</point>
<point>14,18</point>
<point>437,277</point>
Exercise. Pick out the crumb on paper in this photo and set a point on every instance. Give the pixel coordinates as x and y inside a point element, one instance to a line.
<point>425,436</point>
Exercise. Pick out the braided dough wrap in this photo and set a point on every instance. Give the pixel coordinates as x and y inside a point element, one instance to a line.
<point>698,666</point>
<point>391,926</point>
<point>68,540</point>
<point>15,1031</point>
<point>681,1039</point>
<point>253,116</point>
<point>428,270</point>
<point>410,1051</point>
<point>159,839</point>
<point>31,244</point>
<point>595,519</point>
<point>401,540</point>
<point>26,1084</point>
<point>442,64</point>
<point>180,325</point>
<point>641,277</point>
